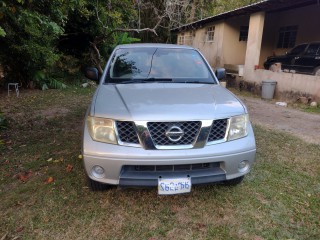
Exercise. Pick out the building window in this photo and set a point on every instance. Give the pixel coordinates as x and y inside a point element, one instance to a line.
<point>210,34</point>
<point>186,38</point>
<point>244,33</point>
<point>181,39</point>
<point>287,36</point>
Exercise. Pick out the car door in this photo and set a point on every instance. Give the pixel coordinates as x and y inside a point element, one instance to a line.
<point>309,60</point>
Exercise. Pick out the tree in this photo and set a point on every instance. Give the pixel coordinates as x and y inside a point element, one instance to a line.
<point>35,36</point>
<point>31,31</point>
<point>2,32</point>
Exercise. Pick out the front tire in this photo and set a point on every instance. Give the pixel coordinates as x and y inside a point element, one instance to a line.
<point>97,186</point>
<point>234,182</point>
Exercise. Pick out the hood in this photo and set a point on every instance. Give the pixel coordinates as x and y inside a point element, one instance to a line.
<point>165,102</point>
<point>277,58</point>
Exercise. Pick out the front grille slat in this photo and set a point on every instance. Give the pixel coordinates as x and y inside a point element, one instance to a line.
<point>174,168</point>
<point>127,132</point>
<point>158,132</point>
<point>218,130</point>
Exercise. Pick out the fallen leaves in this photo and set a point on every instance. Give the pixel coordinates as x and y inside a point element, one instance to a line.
<point>58,160</point>
<point>51,160</point>
<point>49,180</point>
<point>19,229</point>
<point>69,168</point>
<point>24,176</point>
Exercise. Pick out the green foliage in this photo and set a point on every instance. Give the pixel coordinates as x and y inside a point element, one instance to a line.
<point>124,38</point>
<point>44,82</point>
<point>32,31</point>
<point>206,8</point>
<point>3,121</point>
<point>53,83</point>
<point>2,32</point>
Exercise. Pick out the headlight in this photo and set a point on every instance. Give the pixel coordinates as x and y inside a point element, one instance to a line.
<point>101,129</point>
<point>238,127</point>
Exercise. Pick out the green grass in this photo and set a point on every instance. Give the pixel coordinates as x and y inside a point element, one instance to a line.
<point>279,199</point>
<point>311,109</point>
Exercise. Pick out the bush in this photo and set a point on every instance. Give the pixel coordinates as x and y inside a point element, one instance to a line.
<point>3,121</point>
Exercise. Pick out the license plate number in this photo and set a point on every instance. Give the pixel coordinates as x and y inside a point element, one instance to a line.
<point>174,186</point>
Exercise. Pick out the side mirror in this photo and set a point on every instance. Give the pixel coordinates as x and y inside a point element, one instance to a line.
<point>220,73</point>
<point>92,73</point>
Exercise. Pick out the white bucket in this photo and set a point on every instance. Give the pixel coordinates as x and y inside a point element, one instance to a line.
<point>223,84</point>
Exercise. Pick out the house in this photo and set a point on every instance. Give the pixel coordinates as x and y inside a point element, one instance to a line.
<point>242,39</point>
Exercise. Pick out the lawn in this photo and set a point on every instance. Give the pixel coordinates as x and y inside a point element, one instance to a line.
<point>43,191</point>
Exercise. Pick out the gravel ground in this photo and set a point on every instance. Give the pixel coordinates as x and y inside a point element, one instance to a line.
<point>301,124</point>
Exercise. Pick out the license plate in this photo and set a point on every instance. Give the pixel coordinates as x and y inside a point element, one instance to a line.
<point>174,186</point>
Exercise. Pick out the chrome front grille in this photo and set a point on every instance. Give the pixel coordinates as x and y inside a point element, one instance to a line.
<point>171,135</point>
<point>218,130</point>
<point>187,131</point>
<point>127,132</point>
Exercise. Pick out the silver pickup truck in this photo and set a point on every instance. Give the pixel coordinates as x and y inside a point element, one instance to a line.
<point>160,118</point>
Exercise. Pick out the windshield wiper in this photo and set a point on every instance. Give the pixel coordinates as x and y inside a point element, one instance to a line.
<point>131,81</point>
<point>201,82</point>
<point>158,79</point>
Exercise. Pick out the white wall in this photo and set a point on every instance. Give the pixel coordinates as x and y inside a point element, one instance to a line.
<point>289,82</point>
<point>234,51</point>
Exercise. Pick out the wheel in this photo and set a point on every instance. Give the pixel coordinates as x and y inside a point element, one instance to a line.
<point>317,71</point>
<point>97,186</point>
<point>271,67</point>
<point>275,67</point>
<point>234,182</point>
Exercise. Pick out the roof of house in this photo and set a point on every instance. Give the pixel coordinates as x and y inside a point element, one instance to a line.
<point>265,5</point>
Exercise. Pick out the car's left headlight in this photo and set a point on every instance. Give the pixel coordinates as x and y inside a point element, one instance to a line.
<point>238,127</point>
<point>101,129</point>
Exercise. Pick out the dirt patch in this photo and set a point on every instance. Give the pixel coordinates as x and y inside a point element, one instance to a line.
<point>301,124</point>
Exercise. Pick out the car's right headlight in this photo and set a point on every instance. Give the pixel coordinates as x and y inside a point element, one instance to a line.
<point>101,129</point>
<point>238,127</point>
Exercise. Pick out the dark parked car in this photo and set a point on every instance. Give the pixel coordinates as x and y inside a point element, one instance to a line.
<point>304,58</point>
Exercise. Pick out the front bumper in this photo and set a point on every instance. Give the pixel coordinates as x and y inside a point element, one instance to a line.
<point>120,162</point>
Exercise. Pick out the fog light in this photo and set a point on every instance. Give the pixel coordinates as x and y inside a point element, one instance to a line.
<point>243,166</point>
<point>98,171</point>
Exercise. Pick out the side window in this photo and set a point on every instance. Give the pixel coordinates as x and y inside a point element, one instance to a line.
<point>298,49</point>
<point>313,49</point>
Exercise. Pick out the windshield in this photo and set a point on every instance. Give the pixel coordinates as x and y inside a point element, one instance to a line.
<point>158,64</point>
